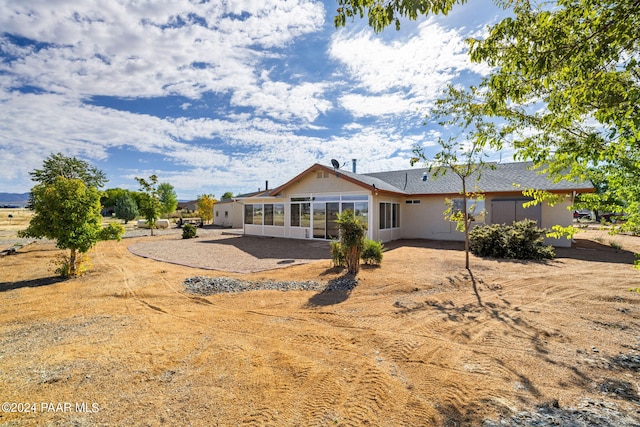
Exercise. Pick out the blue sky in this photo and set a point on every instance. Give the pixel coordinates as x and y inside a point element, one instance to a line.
<point>222,95</point>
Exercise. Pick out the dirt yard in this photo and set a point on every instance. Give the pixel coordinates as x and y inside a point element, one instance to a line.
<point>413,344</point>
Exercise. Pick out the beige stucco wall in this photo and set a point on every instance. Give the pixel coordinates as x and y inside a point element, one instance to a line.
<point>218,214</point>
<point>328,183</point>
<point>426,220</point>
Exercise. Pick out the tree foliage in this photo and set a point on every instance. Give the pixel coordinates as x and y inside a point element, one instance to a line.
<point>57,165</point>
<point>110,196</point>
<point>68,211</point>
<point>150,206</point>
<point>168,198</point>
<point>126,208</point>
<point>228,195</point>
<point>205,206</point>
<point>352,234</point>
<point>382,13</point>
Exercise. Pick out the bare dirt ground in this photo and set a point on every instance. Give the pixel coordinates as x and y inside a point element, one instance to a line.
<point>412,344</point>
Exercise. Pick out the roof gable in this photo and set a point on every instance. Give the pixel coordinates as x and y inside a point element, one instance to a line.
<point>370,183</point>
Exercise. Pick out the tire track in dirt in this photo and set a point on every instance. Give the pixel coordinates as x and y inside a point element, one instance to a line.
<point>368,398</point>
<point>320,397</point>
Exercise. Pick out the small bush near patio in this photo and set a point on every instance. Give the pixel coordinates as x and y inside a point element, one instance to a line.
<point>522,240</point>
<point>372,252</point>
<point>188,231</point>
<point>337,254</point>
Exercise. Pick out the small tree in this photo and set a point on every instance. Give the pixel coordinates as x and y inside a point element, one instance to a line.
<point>462,155</point>
<point>205,206</point>
<point>68,212</point>
<point>228,195</point>
<point>66,205</point>
<point>126,208</point>
<point>168,198</point>
<point>352,233</point>
<point>150,205</point>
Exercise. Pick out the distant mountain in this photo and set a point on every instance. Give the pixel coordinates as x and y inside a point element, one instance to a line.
<point>14,199</point>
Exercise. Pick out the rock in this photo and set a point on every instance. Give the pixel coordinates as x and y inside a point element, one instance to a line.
<point>202,285</point>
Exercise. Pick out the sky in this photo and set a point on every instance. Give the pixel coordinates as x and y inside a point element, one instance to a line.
<point>221,95</point>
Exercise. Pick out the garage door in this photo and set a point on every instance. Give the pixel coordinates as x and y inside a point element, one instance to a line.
<point>508,211</point>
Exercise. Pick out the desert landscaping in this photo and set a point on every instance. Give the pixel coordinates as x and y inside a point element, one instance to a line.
<point>418,341</point>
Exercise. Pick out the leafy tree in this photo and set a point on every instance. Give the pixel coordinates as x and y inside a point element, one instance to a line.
<point>462,154</point>
<point>565,80</point>
<point>352,234</point>
<point>68,211</point>
<point>150,206</point>
<point>126,208</point>
<point>466,162</point>
<point>205,206</point>
<point>168,198</point>
<point>68,167</point>
<point>228,195</point>
<point>110,196</point>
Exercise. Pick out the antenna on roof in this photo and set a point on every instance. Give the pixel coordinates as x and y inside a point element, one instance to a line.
<point>335,163</point>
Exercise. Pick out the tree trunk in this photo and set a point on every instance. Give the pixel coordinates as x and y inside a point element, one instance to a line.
<point>466,223</point>
<point>73,259</point>
<point>353,260</point>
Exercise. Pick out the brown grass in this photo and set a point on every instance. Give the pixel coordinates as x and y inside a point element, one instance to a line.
<point>412,344</point>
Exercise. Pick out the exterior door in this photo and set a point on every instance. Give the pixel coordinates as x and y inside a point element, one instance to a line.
<point>324,220</point>
<point>333,209</point>
<point>319,220</point>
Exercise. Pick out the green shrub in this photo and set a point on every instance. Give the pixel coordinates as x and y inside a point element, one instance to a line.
<point>522,240</point>
<point>337,254</point>
<point>188,231</point>
<point>372,252</point>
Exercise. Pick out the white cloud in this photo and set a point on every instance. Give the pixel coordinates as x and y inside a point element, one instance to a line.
<point>148,48</point>
<point>402,73</point>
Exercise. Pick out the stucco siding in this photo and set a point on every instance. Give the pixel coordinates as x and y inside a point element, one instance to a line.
<point>322,182</point>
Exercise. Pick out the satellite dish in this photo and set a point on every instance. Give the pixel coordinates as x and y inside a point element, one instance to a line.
<point>335,163</point>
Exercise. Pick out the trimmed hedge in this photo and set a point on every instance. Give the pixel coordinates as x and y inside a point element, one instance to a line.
<point>522,240</point>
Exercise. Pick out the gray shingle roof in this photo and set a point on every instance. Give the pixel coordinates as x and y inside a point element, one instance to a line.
<point>505,177</point>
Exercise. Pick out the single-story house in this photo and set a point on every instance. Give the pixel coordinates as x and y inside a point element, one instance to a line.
<point>404,203</point>
<point>229,212</point>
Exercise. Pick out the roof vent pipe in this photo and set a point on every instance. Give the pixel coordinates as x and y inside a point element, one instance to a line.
<point>353,163</point>
<point>266,185</point>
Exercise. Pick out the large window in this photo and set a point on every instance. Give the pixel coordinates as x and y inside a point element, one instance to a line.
<point>475,208</point>
<point>360,209</point>
<point>300,212</point>
<point>267,214</point>
<point>278,214</point>
<point>389,215</point>
<point>248,214</point>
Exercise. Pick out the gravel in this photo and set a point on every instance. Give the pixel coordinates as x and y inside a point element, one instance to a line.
<point>590,413</point>
<point>203,285</point>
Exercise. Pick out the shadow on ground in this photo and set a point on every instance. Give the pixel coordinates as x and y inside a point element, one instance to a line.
<point>275,247</point>
<point>336,291</point>
<point>35,283</point>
